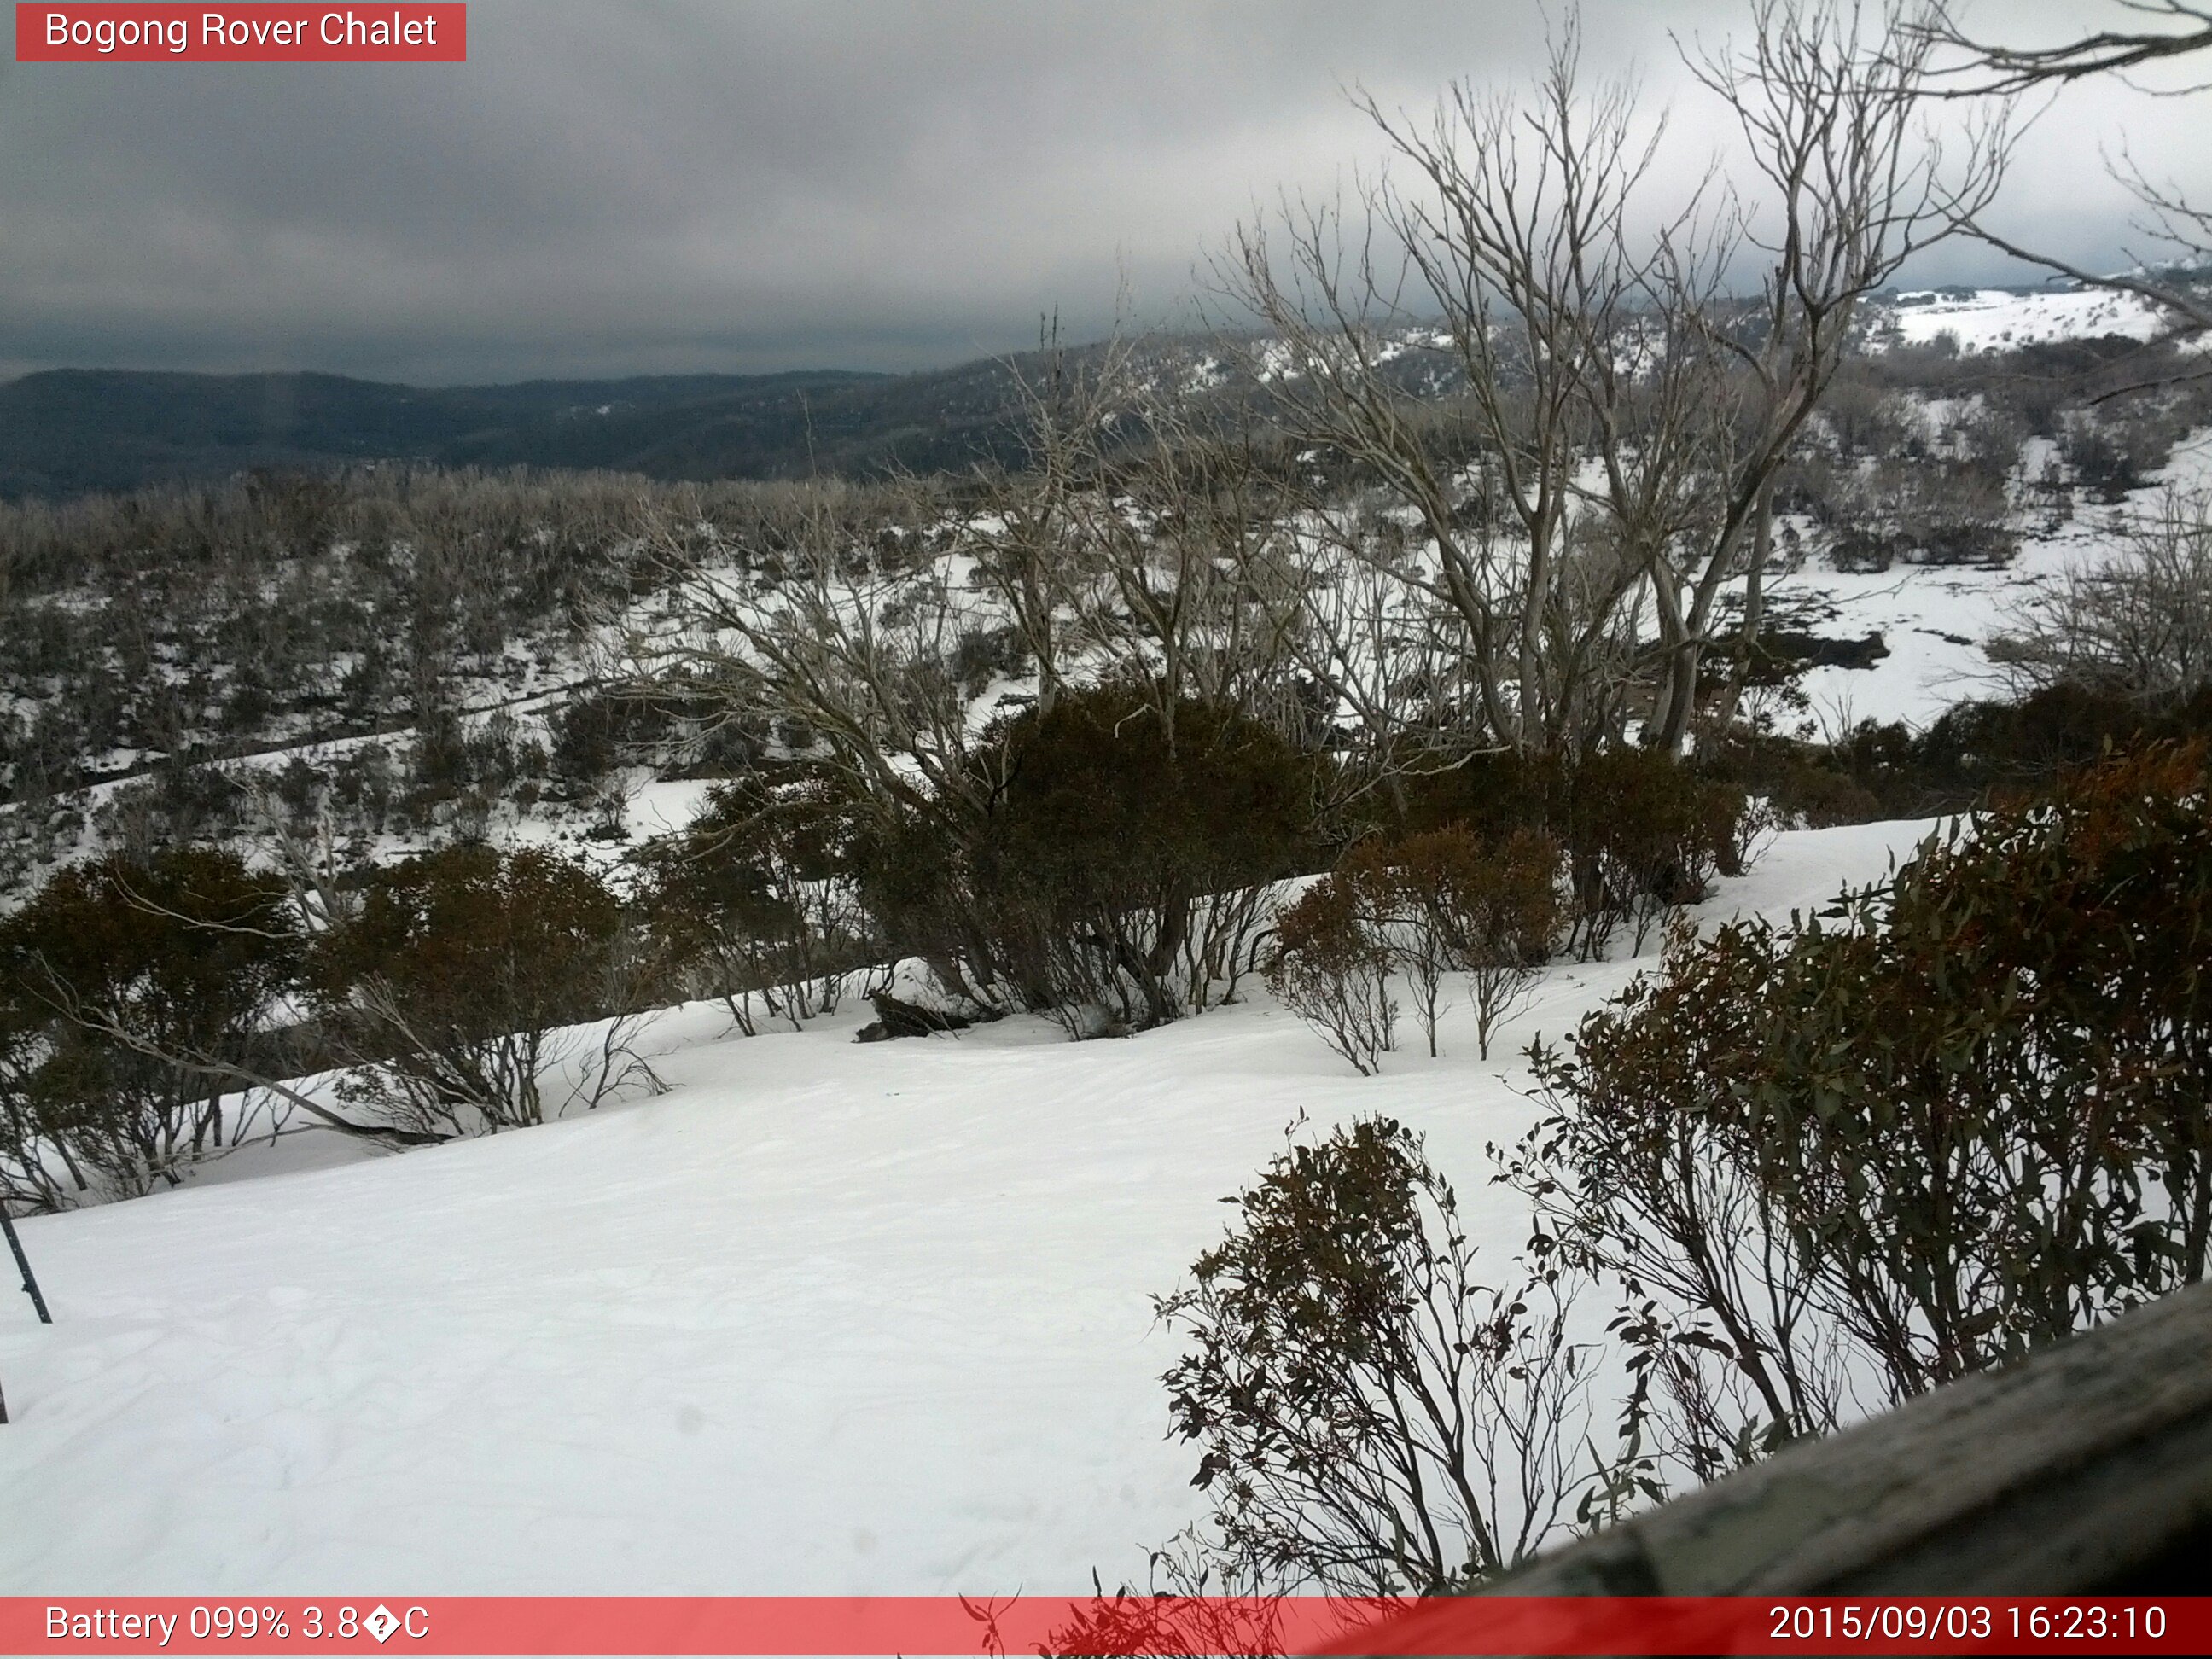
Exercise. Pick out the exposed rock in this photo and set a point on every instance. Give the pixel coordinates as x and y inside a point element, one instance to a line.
<point>896,1017</point>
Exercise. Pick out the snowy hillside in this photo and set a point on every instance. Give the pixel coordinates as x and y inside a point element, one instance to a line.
<point>825,1318</point>
<point>1936,621</point>
<point>2004,319</point>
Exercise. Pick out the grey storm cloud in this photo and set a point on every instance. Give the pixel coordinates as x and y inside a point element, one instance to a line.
<point>733,186</point>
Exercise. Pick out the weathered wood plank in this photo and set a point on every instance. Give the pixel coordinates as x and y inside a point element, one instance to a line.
<point>2069,1472</point>
<point>2086,1468</point>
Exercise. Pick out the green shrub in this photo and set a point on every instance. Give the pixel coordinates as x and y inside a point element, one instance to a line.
<point>754,898</point>
<point>1374,1419</point>
<point>1805,786</point>
<point>598,731</point>
<point>1114,878</point>
<point>1332,968</point>
<point>124,988</point>
<point>1491,795</point>
<point>1952,1118</point>
<point>1641,833</point>
<point>1645,835</point>
<point>1444,903</point>
<point>456,983</point>
<point>1979,751</point>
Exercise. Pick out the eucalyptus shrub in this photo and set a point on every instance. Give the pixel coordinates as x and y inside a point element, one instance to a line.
<point>126,991</point>
<point>754,901</point>
<point>1377,1415</point>
<point>1332,968</point>
<point>1444,903</point>
<point>1641,834</point>
<point>474,990</point>
<point>1111,865</point>
<point>1646,836</point>
<point>1951,1118</point>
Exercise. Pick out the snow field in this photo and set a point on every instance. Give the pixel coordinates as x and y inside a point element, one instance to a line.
<point>826,1318</point>
<point>2002,319</point>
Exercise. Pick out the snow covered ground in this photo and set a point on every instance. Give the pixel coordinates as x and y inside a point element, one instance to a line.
<point>2004,319</point>
<point>824,1318</point>
<point>1936,620</point>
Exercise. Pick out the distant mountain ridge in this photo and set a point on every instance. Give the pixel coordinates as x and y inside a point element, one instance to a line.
<point>63,432</point>
<point>66,431</point>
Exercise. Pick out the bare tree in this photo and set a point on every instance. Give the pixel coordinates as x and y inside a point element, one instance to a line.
<point>843,648</point>
<point>1831,100</point>
<point>2139,624</point>
<point>1981,67</point>
<point>1506,266</point>
<point>1147,541</point>
<point>1021,536</point>
<point>1583,330</point>
<point>1144,547</point>
<point>2106,52</point>
<point>840,645</point>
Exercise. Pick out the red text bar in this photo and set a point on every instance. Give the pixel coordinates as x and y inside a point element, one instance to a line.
<point>241,35</point>
<point>1226,1625</point>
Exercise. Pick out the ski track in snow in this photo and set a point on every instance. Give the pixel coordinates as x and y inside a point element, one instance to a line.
<point>826,1318</point>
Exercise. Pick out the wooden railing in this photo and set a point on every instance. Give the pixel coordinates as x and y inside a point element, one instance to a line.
<point>2085,1469</point>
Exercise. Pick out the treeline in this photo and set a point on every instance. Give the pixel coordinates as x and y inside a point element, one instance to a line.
<point>1117,870</point>
<point>1060,734</point>
<point>179,625</point>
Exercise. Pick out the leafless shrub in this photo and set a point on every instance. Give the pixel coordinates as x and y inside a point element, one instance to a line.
<point>2138,625</point>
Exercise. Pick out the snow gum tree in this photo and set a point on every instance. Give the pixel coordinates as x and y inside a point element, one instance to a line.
<point>1613,413</point>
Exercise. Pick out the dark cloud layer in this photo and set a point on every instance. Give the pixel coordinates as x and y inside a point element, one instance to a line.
<point>747,184</point>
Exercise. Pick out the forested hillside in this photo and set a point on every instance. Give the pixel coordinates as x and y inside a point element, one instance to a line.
<point>67,431</point>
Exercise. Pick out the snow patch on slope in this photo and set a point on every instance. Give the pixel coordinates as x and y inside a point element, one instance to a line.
<point>2001,319</point>
<point>1937,620</point>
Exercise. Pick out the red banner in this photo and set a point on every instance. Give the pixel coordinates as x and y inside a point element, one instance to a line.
<point>1224,1626</point>
<point>82,34</point>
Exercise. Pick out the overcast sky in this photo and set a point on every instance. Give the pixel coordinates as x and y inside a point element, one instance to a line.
<point>679,185</point>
